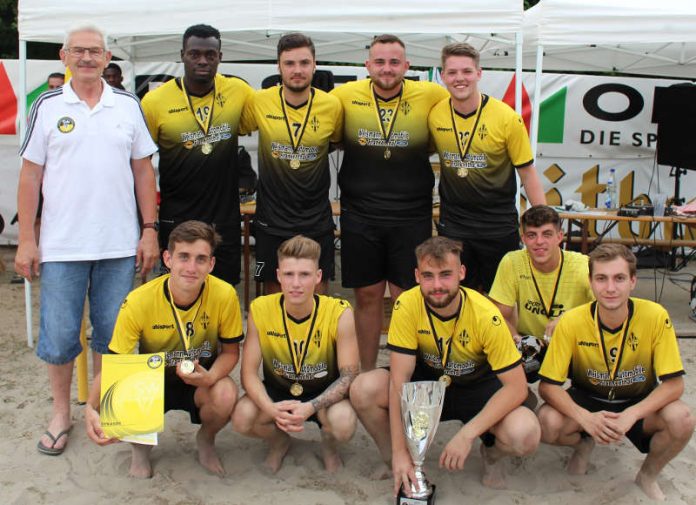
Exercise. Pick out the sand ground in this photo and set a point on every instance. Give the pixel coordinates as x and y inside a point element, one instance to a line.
<point>87,474</point>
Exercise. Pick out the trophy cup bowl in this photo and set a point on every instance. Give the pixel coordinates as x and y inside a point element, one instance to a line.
<point>421,406</point>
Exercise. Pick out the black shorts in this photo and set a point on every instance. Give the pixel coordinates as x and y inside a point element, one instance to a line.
<point>482,256</point>
<point>179,396</point>
<point>636,435</point>
<point>371,253</point>
<point>228,255</point>
<point>266,251</point>
<point>279,395</point>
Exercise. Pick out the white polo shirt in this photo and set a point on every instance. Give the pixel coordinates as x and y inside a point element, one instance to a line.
<point>89,209</point>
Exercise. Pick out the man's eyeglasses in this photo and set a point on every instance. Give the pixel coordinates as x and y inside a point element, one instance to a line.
<point>94,52</point>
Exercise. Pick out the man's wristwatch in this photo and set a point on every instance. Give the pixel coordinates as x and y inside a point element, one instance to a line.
<point>154,225</point>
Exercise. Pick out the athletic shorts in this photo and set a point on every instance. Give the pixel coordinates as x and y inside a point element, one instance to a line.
<point>371,253</point>
<point>228,255</point>
<point>482,256</point>
<point>266,250</point>
<point>64,287</point>
<point>180,396</point>
<point>636,435</point>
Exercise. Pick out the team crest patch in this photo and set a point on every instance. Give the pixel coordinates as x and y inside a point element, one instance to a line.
<point>633,342</point>
<point>405,108</point>
<point>66,124</point>
<point>154,361</point>
<point>314,124</point>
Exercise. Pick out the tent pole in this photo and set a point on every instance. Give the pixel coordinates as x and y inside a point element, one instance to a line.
<point>537,99</point>
<point>22,96</point>
<point>518,72</point>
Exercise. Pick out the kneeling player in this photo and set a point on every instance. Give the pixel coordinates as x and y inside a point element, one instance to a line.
<point>617,348</point>
<point>189,315</point>
<point>441,331</point>
<point>307,345</point>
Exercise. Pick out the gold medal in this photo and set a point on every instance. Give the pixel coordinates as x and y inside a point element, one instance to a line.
<point>294,164</point>
<point>445,379</point>
<point>296,389</point>
<point>462,172</point>
<point>207,148</point>
<point>186,366</point>
<point>387,154</point>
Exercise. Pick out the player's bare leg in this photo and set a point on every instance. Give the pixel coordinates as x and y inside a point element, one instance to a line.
<point>216,404</point>
<point>338,426</point>
<point>140,467</point>
<point>675,426</point>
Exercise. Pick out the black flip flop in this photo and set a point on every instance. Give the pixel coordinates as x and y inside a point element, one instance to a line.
<point>51,450</point>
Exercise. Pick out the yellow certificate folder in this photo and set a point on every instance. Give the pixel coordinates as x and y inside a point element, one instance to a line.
<point>132,394</point>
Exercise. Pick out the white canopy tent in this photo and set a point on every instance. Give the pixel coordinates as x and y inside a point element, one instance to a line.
<point>341,30</point>
<point>645,37</point>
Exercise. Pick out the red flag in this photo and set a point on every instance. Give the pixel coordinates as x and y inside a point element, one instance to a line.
<point>509,99</point>
<point>8,104</point>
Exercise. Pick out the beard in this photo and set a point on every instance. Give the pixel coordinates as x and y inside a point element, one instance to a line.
<point>442,303</point>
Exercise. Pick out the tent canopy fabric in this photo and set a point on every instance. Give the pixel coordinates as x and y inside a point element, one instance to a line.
<point>645,37</point>
<point>341,29</point>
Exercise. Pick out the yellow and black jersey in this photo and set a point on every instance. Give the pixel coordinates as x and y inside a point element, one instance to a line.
<point>197,141</point>
<point>387,181</point>
<point>147,322</point>
<point>518,284</point>
<point>481,342</point>
<point>294,177</point>
<point>313,337</point>
<point>649,352</point>
<point>477,194</point>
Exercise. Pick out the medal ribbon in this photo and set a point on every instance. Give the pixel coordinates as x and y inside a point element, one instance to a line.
<point>203,126</point>
<point>387,132</point>
<point>296,145</point>
<point>183,337</point>
<point>547,312</point>
<point>600,339</point>
<point>472,132</point>
<point>445,350</point>
<point>298,361</point>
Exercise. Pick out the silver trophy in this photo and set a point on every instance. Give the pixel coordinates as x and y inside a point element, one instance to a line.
<point>421,406</point>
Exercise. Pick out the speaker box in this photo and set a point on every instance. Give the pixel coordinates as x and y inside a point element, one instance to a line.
<point>674,111</point>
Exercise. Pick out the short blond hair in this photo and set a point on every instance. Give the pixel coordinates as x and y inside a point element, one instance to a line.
<point>299,247</point>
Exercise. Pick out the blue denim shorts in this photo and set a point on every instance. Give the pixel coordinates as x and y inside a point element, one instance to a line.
<point>64,286</point>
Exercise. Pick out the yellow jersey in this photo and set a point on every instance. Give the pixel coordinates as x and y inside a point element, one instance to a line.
<point>623,362</point>
<point>481,344</point>
<point>147,322</point>
<point>387,179</point>
<point>197,139</point>
<point>518,284</point>
<point>313,341</point>
<point>477,194</point>
<point>294,177</point>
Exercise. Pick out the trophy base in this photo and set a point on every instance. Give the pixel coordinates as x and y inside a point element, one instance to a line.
<point>402,499</point>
